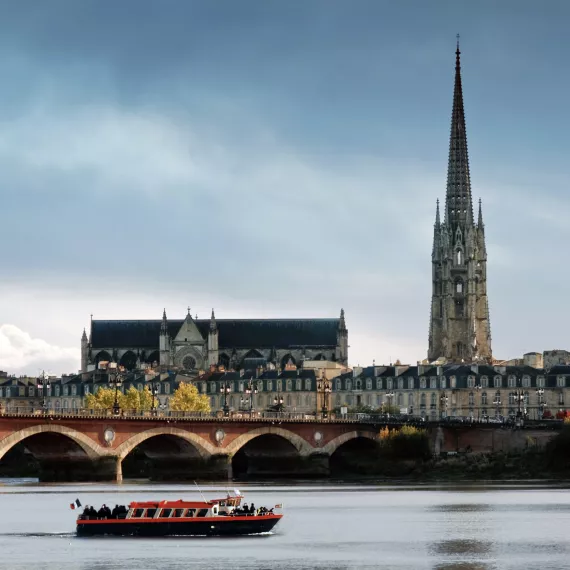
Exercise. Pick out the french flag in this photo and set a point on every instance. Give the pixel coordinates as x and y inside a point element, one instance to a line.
<point>75,505</point>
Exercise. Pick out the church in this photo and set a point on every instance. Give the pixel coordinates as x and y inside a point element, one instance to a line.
<point>193,344</point>
<point>460,329</point>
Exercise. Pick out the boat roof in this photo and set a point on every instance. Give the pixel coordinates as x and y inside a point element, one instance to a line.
<point>180,504</point>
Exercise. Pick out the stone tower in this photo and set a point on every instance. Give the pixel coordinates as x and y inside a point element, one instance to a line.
<point>459,321</point>
<point>164,343</point>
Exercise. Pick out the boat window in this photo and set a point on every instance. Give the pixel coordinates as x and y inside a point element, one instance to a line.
<point>138,513</point>
<point>178,512</point>
<point>191,513</point>
<point>222,503</point>
<point>166,512</point>
<point>202,512</point>
<point>150,513</point>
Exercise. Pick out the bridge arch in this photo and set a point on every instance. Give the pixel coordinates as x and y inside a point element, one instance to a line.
<point>203,447</point>
<point>92,449</point>
<point>297,441</point>
<point>334,444</point>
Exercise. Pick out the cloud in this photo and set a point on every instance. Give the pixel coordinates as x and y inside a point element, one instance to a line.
<point>22,354</point>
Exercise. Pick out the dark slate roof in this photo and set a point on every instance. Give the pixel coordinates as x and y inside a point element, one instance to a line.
<point>232,333</point>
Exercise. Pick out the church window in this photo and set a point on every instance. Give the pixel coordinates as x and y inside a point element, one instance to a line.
<point>390,383</point>
<point>289,384</point>
<point>459,286</point>
<point>410,383</point>
<point>484,382</point>
<point>561,381</point>
<point>526,381</point>
<point>458,315</point>
<point>307,384</point>
<point>368,384</point>
<point>512,382</point>
<point>189,363</point>
<point>498,382</point>
<point>433,383</point>
<point>540,381</point>
<point>400,383</point>
<point>471,382</point>
<point>299,385</point>
<point>484,399</point>
<point>471,398</point>
<point>422,382</point>
<point>443,383</point>
<point>459,257</point>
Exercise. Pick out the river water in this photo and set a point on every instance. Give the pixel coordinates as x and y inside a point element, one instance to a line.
<point>325,526</point>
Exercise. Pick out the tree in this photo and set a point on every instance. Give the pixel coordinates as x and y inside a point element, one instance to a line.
<point>139,400</point>
<point>103,399</point>
<point>187,399</point>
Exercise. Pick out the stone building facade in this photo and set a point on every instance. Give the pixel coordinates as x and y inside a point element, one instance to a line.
<point>459,319</point>
<point>194,344</point>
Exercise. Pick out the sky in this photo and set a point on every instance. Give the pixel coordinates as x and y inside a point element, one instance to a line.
<point>275,159</point>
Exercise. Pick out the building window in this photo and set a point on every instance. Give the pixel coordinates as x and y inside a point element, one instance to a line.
<point>540,381</point>
<point>511,398</point>
<point>368,384</point>
<point>433,400</point>
<point>379,399</point>
<point>167,388</point>
<point>390,383</point>
<point>289,384</point>
<point>401,400</point>
<point>358,384</point>
<point>512,382</point>
<point>140,387</point>
<point>338,385</point>
<point>471,399</point>
<point>422,382</point>
<point>74,390</point>
<point>410,400</point>
<point>561,381</point>
<point>410,383</point>
<point>22,391</point>
<point>269,386</point>
<point>443,383</point>
<point>526,381</point>
<point>453,382</point>
<point>349,384</point>
<point>400,383</point>
<point>484,399</point>
<point>497,382</point>
<point>484,382</point>
<point>299,385</point>
<point>433,383</point>
<point>31,391</point>
<point>57,390</point>
<point>471,382</point>
<point>308,384</point>
<point>378,384</point>
<point>8,392</point>
<point>423,401</point>
<point>561,399</point>
<point>86,389</point>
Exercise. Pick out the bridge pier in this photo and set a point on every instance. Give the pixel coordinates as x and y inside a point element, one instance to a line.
<point>107,468</point>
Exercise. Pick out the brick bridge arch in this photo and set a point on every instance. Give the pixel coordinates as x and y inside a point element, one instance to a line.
<point>300,444</point>
<point>92,449</point>
<point>334,444</point>
<point>203,447</point>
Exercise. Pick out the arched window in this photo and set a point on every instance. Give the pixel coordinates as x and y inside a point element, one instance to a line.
<point>459,286</point>
<point>289,384</point>
<point>484,399</point>
<point>338,385</point>
<point>358,384</point>
<point>497,382</point>
<point>400,383</point>
<point>349,384</point>
<point>471,398</point>
<point>400,400</point>
<point>433,400</point>
<point>459,257</point>
<point>368,384</point>
<point>299,384</point>
<point>484,382</point>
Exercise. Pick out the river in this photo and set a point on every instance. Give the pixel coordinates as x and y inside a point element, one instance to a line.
<point>325,526</point>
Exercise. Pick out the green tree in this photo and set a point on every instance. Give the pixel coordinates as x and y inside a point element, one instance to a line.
<point>187,399</point>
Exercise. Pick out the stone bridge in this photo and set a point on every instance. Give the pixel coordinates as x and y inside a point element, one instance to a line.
<point>77,448</point>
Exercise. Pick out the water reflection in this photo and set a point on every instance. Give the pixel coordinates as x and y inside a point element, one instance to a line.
<point>463,508</point>
<point>465,566</point>
<point>463,547</point>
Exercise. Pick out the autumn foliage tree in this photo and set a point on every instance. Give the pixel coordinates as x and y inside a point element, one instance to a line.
<point>132,399</point>
<point>187,399</point>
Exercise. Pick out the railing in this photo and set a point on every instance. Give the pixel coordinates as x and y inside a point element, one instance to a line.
<point>269,416</point>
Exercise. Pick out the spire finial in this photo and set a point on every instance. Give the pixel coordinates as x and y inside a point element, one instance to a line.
<point>437,219</point>
<point>480,218</point>
<point>189,315</point>
<point>164,314</point>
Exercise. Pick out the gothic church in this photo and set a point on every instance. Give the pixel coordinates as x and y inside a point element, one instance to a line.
<point>459,322</point>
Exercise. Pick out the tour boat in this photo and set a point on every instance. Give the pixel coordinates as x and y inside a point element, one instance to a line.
<point>218,517</point>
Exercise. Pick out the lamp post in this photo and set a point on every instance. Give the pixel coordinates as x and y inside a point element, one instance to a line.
<point>154,391</point>
<point>249,390</point>
<point>116,378</point>
<point>44,388</point>
<point>478,389</point>
<point>324,387</point>
<point>278,403</point>
<point>541,402</point>
<point>443,400</point>
<point>497,404</point>
<point>519,399</point>
<point>225,389</point>
<point>389,397</point>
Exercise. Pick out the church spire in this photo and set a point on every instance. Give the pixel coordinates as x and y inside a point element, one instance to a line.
<point>480,218</point>
<point>458,203</point>
<point>437,220</point>
<point>164,324</point>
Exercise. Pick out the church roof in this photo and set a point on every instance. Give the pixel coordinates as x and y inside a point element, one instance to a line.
<point>232,333</point>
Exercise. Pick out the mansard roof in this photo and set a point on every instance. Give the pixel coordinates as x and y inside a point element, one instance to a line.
<point>232,333</point>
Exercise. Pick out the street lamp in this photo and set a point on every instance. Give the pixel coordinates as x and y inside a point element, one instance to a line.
<point>225,389</point>
<point>324,387</point>
<point>154,391</point>
<point>443,400</point>
<point>389,397</point>
<point>497,404</point>
<point>116,378</point>
<point>519,399</point>
<point>278,403</point>
<point>44,388</point>
<point>250,390</point>
<point>541,402</point>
